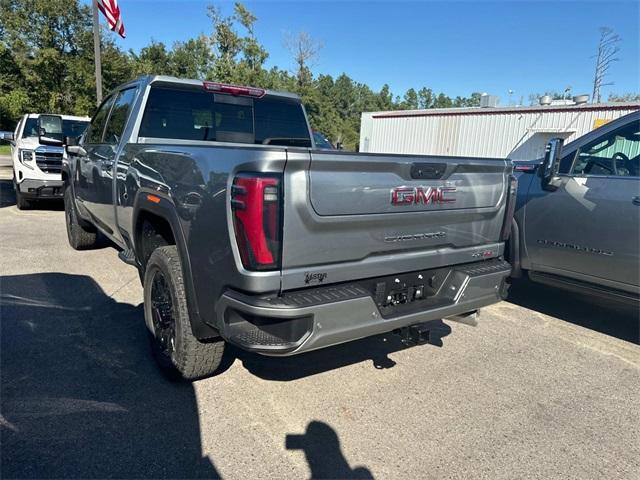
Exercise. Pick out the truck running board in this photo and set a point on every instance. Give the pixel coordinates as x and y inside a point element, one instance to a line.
<point>128,256</point>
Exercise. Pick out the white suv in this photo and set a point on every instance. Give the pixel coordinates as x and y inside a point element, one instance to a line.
<point>37,167</point>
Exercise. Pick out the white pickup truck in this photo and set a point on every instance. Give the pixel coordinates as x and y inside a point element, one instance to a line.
<point>36,163</point>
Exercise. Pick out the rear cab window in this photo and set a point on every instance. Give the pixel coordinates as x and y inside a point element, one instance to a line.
<point>190,114</point>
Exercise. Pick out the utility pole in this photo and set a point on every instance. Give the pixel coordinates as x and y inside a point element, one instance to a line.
<point>96,52</point>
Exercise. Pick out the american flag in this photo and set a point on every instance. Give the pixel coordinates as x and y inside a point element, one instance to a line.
<point>111,11</point>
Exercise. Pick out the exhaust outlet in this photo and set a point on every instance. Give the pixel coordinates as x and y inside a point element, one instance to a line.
<point>469,318</point>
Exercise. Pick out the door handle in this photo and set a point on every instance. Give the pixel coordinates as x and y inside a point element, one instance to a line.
<point>636,200</point>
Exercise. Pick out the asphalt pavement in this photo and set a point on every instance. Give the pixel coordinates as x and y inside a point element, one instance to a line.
<point>546,386</point>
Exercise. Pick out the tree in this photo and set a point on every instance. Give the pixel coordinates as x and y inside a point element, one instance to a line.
<point>410,101</point>
<point>385,99</point>
<point>304,51</point>
<point>442,101</point>
<point>237,57</point>
<point>425,98</point>
<point>154,59</point>
<point>47,59</point>
<point>192,58</point>
<point>606,54</point>
<point>625,97</point>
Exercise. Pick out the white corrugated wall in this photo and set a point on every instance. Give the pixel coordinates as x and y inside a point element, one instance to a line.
<point>519,135</point>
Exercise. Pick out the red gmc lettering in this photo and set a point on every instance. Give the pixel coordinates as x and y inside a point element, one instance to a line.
<point>424,195</point>
<point>403,196</point>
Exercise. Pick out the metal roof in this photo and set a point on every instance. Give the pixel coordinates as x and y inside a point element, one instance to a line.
<point>584,107</point>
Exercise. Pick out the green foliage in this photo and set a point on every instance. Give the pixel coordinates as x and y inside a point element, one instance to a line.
<point>46,65</point>
<point>624,97</point>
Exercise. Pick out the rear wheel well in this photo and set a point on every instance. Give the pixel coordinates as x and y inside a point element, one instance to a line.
<point>152,231</point>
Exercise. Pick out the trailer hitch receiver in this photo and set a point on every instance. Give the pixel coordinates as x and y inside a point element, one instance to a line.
<point>417,334</point>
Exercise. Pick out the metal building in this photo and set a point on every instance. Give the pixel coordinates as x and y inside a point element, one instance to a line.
<point>519,133</point>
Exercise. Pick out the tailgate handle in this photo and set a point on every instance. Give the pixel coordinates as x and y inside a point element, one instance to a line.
<point>428,171</point>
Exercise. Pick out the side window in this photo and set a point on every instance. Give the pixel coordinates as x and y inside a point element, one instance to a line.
<point>616,153</point>
<point>94,132</point>
<point>30,128</point>
<point>119,115</point>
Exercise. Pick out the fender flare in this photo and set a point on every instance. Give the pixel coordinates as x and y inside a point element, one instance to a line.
<point>513,248</point>
<point>65,174</point>
<point>166,210</point>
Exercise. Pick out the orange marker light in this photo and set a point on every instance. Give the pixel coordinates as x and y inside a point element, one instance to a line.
<point>153,198</point>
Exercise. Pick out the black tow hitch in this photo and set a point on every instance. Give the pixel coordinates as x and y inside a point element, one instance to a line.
<point>417,334</point>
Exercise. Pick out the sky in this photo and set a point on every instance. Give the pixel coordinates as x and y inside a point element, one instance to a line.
<point>456,47</point>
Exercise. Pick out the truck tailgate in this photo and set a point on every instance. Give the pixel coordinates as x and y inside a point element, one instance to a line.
<point>350,215</point>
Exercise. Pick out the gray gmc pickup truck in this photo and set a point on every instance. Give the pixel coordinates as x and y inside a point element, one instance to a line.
<point>577,221</point>
<point>243,232</point>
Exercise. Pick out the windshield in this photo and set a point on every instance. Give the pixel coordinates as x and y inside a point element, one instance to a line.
<point>321,141</point>
<point>70,128</point>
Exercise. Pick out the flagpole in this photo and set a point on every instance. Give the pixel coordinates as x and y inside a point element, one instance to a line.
<point>96,51</point>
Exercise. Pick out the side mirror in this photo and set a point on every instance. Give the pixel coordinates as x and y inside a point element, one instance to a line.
<point>6,136</point>
<point>71,141</point>
<point>50,130</point>
<point>551,165</point>
<point>72,146</point>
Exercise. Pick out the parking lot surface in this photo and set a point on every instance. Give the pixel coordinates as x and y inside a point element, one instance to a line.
<point>546,386</point>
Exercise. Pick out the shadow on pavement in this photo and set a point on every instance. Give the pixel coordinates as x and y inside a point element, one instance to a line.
<point>321,447</point>
<point>604,316</point>
<point>376,349</point>
<point>7,193</point>
<point>81,396</point>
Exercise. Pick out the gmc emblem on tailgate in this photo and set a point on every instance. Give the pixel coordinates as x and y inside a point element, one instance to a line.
<point>425,195</point>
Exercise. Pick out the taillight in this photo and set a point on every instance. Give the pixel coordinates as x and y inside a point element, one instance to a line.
<point>527,167</point>
<point>234,89</point>
<point>255,203</point>
<point>510,208</point>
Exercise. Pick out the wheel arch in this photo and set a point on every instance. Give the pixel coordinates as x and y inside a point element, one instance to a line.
<point>163,217</point>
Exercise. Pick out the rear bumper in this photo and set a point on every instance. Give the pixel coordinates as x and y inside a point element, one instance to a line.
<point>310,319</point>
<point>33,188</point>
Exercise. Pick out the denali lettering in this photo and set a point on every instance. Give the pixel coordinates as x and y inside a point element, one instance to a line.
<point>424,195</point>
<point>552,243</point>
<point>416,236</point>
<point>485,253</point>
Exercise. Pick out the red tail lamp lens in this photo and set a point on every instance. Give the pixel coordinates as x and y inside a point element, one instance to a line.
<point>255,203</point>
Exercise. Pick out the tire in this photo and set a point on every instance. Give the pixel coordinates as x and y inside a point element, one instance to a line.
<point>178,353</point>
<point>21,202</point>
<point>79,236</point>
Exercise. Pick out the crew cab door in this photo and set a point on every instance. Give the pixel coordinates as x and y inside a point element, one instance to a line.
<point>588,228</point>
<point>96,166</point>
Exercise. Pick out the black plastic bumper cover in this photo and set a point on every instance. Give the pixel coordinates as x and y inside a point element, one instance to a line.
<point>308,319</point>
